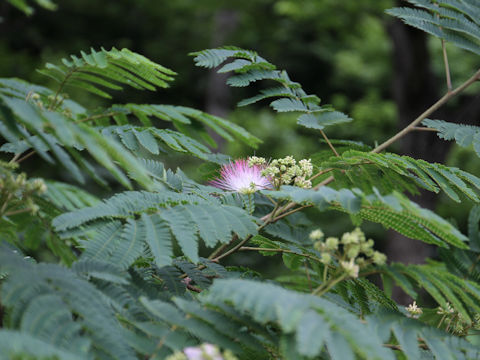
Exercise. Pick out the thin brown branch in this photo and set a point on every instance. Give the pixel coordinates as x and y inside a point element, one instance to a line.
<point>26,156</point>
<point>194,288</point>
<point>60,88</point>
<point>234,249</point>
<point>417,128</point>
<point>290,212</point>
<point>308,276</point>
<point>399,348</point>
<point>19,211</point>
<point>240,244</point>
<point>324,182</point>
<point>320,173</point>
<point>447,67</point>
<point>248,248</point>
<point>428,112</point>
<point>329,143</point>
<point>98,116</point>
<point>222,248</point>
<point>15,158</point>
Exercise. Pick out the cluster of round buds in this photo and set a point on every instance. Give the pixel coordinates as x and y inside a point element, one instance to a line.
<point>356,245</point>
<point>414,311</point>
<point>352,251</point>
<point>350,267</point>
<point>202,352</point>
<point>286,171</point>
<point>38,186</point>
<point>254,160</point>
<point>448,310</point>
<point>36,99</point>
<point>22,189</point>
<point>455,322</point>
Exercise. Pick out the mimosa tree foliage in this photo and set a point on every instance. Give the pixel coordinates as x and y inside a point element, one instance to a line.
<point>141,275</point>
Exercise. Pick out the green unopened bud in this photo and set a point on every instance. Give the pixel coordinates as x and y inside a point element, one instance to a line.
<point>449,310</point>
<point>177,356</point>
<point>21,180</point>
<point>39,186</point>
<point>350,268</point>
<point>302,183</point>
<point>365,246</point>
<point>331,243</point>
<point>379,258</point>
<point>286,179</point>
<point>254,160</point>
<point>319,246</point>
<point>306,167</point>
<point>370,252</point>
<point>414,310</point>
<point>349,238</point>
<point>359,234</point>
<point>326,258</point>
<point>360,261</point>
<point>228,355</point>
<point>289,160</point>
<point>353,251</point>
<point>316,235</point>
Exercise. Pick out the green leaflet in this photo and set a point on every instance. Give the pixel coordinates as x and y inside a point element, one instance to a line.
<point>249,68</point>
<point>17,343</point>
<point>68,294</point>
<point>293,311</point>
<point>441,284</point>
<point>407,331</point>
<point>23,121</point>
<point>393,211</point>
<point>154,220</point>
<point>182,117</point>
<point>464,135</point>
<point>323,119</point>
<point>109,69</point>
<point>431,176</point>
<point>455,21</point>
<point>24,5</point>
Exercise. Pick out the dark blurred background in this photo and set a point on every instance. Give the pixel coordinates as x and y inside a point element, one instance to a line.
<point>350,53</point>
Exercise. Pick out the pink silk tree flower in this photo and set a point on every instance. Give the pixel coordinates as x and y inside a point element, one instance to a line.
<point>240,177</point>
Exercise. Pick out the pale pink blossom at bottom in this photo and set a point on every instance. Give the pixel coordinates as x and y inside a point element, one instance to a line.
<point>239,177</point>
<point>197,353</point>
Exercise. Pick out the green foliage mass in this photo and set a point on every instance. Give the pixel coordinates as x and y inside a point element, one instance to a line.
<point>133,276</point>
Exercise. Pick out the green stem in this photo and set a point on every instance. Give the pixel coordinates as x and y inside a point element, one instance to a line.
<point>325,273</point>
<point>329,143</point>
<point>321,290</point>
<point>248,248</point>
<point>240,244</point>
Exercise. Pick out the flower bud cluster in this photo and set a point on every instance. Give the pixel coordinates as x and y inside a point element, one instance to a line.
<point>46,102</point>
<point>18,192</point>
<point>287,171</point>
<point>455,322</point>
<point>202,352</point>
<point>414,311</point>
<point>36,99</point>
<point>254,160</point>
<point>448,310</point>
<point>352,251</point>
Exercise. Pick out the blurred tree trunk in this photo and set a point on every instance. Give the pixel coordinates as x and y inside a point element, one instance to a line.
<point>218,94</point>
<point>415,88</point>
